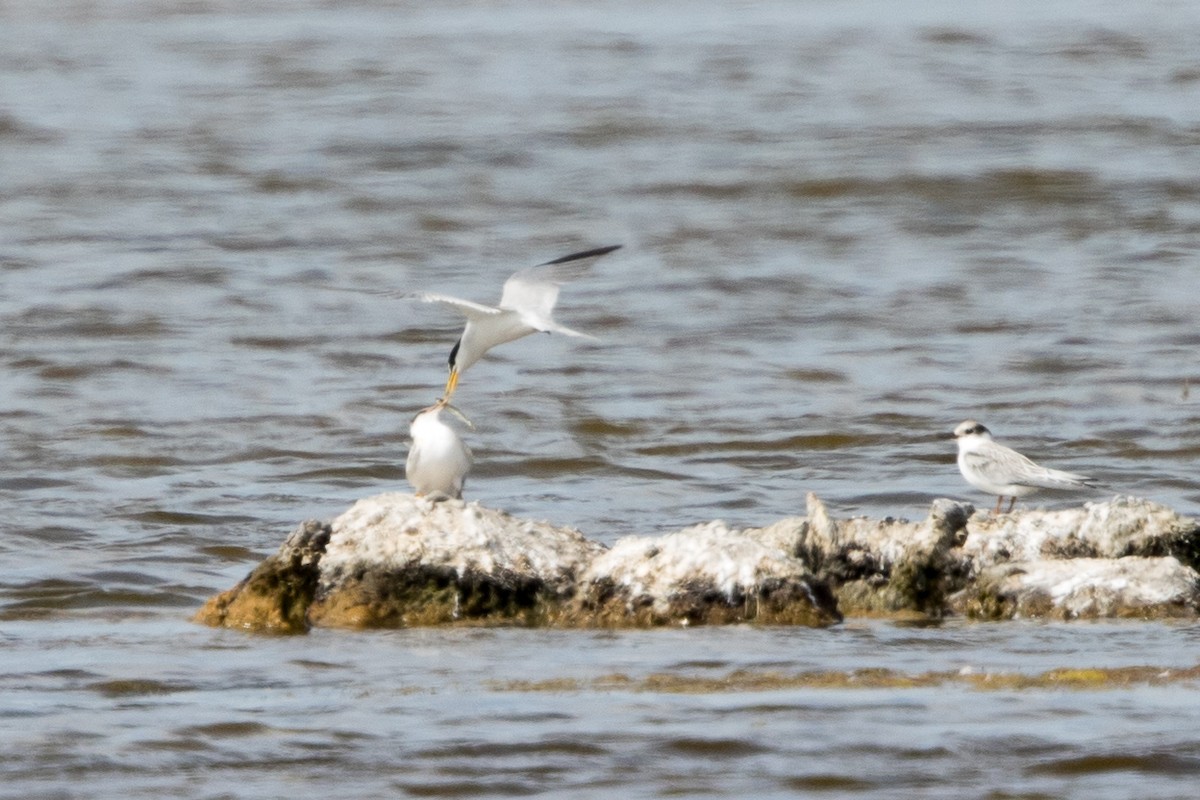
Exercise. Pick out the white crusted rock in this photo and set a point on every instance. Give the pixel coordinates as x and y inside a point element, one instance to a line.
<point>703,574</point>
<point>1124,526</point>
<point>1133,586</point>
<point>396,530</point>
<point>396,560</point>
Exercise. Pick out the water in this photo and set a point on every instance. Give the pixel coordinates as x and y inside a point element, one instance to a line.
<point>847,226</point>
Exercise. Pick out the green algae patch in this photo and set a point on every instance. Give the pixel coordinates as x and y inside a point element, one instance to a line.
<point>1076,679</point>
<point>549,685</point>
<point>773,602</point>
<point>276,595</point>
<point>422,596</point>
<point>890,566</point>
<point>755,681</point>
<point>1086,678</point>
<point>1080,677</point>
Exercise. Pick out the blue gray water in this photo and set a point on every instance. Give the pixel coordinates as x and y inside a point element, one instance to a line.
<point>847,226</point>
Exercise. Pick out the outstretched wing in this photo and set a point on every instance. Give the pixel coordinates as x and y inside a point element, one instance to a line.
<point>554,327</point>
<point>467,308</point>
<point>534,290</point>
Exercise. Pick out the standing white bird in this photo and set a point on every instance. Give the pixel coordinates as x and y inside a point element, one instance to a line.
<point>438,459</point>
<point>525,307</point>
<point>1002,471</point>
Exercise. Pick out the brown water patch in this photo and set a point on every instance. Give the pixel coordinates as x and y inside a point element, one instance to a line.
<point>309,663</point>
<point>229,552</point>
<point>85,323</point>
<point>121,430</point>
<point>73,372</point>
<point>598,426</point>
<point>470,789</point>
<point>1153,763</point>
<point>14,129</point>
<point>189,275</point>
<point>787,444</point>
<point>815,375</point>
<point>828,783</point>
<point>1102,45</point>
<point>509,749</point>
<point>1023,186</point>
<point>137,687</point>
<point>244,244</point>
<point>603,131</point>
<point>350,476</point>
<point>301,343</point>
<point>442,223</point>
<point>227,730</point>
<point>189,745</point>
<point>698,747</point>
<point>29,483</point>
<point>954,36</point>
<point>180,518</point>
<point>277,182</point>
<point>1059,365</point>
<point>555,467</point>
<point>48,599</point>
<point>135,465</point>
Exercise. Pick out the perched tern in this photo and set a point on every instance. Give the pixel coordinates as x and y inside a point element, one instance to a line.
<point>438,459</point>
<point>525,307</point>
<point>1002,471</point>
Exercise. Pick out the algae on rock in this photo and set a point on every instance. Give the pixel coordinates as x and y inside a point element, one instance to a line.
<point>888,566</point>
<point>705,574</point>
<point>276,595</point>
<point>397,560</point>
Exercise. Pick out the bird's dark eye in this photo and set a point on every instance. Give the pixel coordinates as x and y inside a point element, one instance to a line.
<point>454,353</point>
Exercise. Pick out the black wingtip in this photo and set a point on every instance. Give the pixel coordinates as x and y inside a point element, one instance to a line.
<point>599,251</point>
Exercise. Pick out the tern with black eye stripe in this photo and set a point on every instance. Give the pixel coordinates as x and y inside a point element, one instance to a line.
<point>993,468</point>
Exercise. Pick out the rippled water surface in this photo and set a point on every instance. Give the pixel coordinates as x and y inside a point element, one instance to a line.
<point>847,226</point>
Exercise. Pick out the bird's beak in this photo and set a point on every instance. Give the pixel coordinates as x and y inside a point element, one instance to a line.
<point>451,385</point>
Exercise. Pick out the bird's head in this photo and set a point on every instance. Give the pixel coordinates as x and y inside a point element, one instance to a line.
<point>970,427</point>
<point>452,381</point>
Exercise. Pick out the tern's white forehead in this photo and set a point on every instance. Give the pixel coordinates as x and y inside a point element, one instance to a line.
<point>968,427</point>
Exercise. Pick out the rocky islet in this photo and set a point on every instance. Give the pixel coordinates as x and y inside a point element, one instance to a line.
<point>395,560</point>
